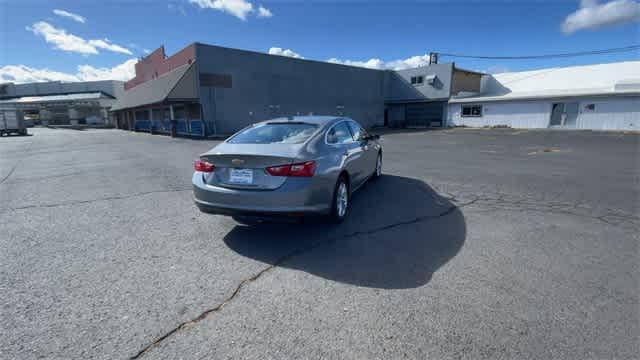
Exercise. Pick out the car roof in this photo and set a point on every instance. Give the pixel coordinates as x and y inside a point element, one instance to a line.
<point>311,119</point>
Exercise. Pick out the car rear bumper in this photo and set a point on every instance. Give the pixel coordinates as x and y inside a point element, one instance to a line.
<point>267,215</point>
<point>293,198</point>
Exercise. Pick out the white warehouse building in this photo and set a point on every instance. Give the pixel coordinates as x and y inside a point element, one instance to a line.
<point>596,97</point>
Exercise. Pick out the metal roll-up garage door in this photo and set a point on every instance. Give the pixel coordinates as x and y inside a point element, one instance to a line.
<point>424,114</point>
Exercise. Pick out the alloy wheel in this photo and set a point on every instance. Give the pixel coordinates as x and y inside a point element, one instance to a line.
<point>342,199</point>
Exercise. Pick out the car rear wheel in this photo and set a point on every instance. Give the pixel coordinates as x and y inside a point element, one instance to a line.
<point>341,201</point>
<point>378,170</point>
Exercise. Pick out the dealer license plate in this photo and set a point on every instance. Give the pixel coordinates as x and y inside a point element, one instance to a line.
<point>241,176</point>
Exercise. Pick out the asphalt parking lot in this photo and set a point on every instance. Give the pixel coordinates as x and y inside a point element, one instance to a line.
<point>475,244</point>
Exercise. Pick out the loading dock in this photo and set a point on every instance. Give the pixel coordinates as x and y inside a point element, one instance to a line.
<point>429,114</point>
<point>417,114</point>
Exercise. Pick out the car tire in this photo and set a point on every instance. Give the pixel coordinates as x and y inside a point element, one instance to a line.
<point>341,201</point>
<point>377,172</point>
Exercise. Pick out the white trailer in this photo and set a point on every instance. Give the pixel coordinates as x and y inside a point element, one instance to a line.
<point>12,121</point>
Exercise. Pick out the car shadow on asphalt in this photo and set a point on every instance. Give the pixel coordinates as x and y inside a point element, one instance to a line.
<point>398,234</point>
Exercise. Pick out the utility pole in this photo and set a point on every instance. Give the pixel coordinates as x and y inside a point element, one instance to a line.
<point>433,58</point>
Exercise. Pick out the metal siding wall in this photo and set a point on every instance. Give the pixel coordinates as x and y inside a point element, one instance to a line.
<point>524,114</point>
<point>300,87</point>
<point>619,113</point>
<point>622,113</point>
<point>208,109</point>
<point>400,88</point>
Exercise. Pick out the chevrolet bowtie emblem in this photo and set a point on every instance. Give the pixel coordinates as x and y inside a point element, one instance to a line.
<point>237,162</point>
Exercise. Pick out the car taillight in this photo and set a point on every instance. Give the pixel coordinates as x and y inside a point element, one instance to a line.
<point>203,166</point>
<point>305,169</point>
<point>282,170</point>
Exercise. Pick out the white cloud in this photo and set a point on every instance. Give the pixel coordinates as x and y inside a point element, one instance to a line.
<point>263,12</point>
<point>284,52</point>
<point>68,42</point>
<point>593,15</point>
<point>124,71</point>
<point>411,62</point>
<point>371,63</point>
<point>61,39</point>
<point>137,48</point>
<point>108,45</point>
<point>374,63</point>
<point>237,8</point>
<point>22,73</point>
<point>70,15</point>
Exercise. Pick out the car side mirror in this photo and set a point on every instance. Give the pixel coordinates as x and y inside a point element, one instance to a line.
<point>371,137</point>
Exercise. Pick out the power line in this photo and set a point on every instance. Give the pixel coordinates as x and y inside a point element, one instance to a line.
<point>546,56</point>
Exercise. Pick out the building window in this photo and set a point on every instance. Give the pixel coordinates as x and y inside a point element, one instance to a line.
<point>417,80</point>
<point>471,110</point>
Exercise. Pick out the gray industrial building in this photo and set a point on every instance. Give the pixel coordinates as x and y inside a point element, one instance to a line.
<point>57,103</point>
<point>205,89</point>
<point>418,97</point>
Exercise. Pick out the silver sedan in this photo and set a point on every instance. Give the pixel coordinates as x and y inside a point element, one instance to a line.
<point>287,167</point>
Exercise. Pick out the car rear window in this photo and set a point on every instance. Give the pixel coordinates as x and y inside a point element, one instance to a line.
<point>274,133</point>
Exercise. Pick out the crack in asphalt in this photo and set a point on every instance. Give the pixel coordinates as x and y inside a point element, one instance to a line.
<point>607,215</point>
<point>282,260</point>
<point>77,202</point>
<point>525,204</point>
<point>501,201</point>
<point>28,147</point>
<point>47,177</point>
<point>607,218</point>
<point>10,173</point>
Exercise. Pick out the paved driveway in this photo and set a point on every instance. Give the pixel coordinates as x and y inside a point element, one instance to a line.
<point>474,244</point>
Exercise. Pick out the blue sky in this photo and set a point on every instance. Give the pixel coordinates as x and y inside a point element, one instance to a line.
<point>39,44</point>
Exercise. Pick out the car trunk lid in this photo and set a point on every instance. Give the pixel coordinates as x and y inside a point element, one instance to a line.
<point>242,166</point>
